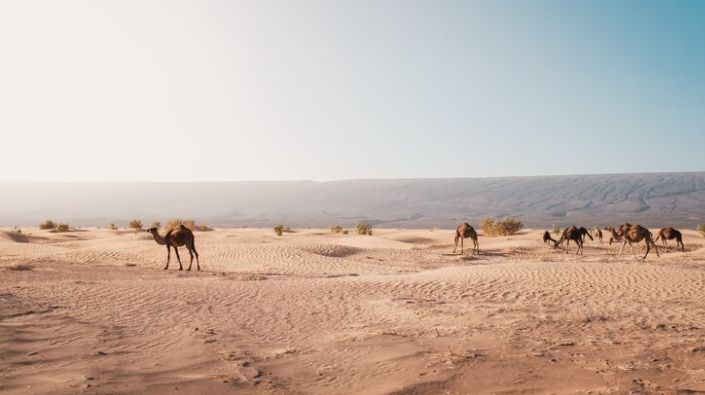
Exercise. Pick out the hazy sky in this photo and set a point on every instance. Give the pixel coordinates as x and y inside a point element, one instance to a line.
<point>242,90</point>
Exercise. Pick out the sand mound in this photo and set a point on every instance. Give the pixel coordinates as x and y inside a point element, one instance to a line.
<point>332,250</point>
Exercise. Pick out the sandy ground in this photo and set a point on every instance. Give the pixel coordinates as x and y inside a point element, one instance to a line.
<point>92,311</point>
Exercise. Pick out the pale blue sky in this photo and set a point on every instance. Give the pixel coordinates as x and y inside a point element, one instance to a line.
<point>323,90</point>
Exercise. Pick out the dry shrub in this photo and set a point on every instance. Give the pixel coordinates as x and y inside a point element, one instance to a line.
<point>135,224</point>
<point>62,228</point>
<point>17,229</point>
<point>364,229</point>
<point>336,229</point>
<point>47,225</point>
<point>555,229</point>
<point>113,227</point>
<point>156,224</point>
<point>279,229</point>
<point>500,226</point>
<point>203,228</point>
<point>345,232</point>
<point>174,223</point>
<point>701,229</point>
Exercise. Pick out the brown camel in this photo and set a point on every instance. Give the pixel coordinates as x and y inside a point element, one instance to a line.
<point>575,234</point>
<point>463,231</point>
<point>182,236</point>
<point>670,234</point>
<point>614,237</point>
<point>547,237</point>
<point>597,234</point>
<point>634,234</point>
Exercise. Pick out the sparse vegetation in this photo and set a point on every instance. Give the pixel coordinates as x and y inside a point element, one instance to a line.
<point>555,229</point>
<point>47,225</point>
<point>701,229</point>
<point>156,224</point>
<point>345,232</point>
<point>500,226</point>
<point>62,228</point>
<point>135,224</point>
<point>336,229</point>
<point>279,229</point>
<point>364,229</point>
<point>203,228</point>
<point>113,227</point>
<point>17,229</point>
<point>174,223</point>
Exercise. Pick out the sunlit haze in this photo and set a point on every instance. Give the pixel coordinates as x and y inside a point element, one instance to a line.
<point>323,90</point>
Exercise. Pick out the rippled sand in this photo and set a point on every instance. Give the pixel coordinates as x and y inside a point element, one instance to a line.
<point>92,311</point>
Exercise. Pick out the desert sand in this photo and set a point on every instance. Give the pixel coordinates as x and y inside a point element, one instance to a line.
<point>92,312</point>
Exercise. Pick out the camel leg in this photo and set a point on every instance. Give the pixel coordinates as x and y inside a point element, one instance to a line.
<point>680,241</point>
<point>190,263</point>
<point>456,244</point>
<point>623,244</point>
<point>168,256</point>
<point>655,249</point>
<point>178,258</point>
<point>477,245</point>
<point>580,247</point>
<point>198,263</point>
<point>648,248</point>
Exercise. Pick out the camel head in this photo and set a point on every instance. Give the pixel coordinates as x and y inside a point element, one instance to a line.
<point>584,231</point>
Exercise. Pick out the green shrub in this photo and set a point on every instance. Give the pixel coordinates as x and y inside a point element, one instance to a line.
<point>364,229</point>
<point>500,226</point>
<point>279,229</point>
<point>47,225</point>
<point>135,224</point>
<point>701,229</point>
<point>62,228</point>
<point>555,229</point>
<point>336,229</point>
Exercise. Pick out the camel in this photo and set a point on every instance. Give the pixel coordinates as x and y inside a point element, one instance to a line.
<point>575,234</point>
<point>597,234</point>
<point>463,231</point>
<point>547,237</point>
<point>614,237</point>
<point>634,234</point>
<point>182,236</point>
<point>670,234</point>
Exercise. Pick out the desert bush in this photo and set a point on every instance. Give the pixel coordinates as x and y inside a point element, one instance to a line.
<point>500,226</point>
<point>279,229</point>
<point>156,224</point>
<point>174,223</point>
<point>135,224</point>
<point>203,228</point>
<point>701,229</point>
<point>345,232</point>
<point>336,229</point>
<point>61,228</point>
<point>47,225</point>
<point>113,227</point>
<point>555,229</point>
<point>17,229</point>
<point>364,229</point>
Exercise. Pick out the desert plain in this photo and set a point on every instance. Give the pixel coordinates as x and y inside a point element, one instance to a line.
<point>92,311</point>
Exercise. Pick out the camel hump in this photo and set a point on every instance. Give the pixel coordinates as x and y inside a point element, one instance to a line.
<point>182,227</point>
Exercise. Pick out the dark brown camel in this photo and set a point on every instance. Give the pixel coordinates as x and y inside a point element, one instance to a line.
<point>182,236</point>
<point>670,234</point>
<point>547,237</point>
<point>463,231</point>
<point>575,234</point>
<point>634,234</point>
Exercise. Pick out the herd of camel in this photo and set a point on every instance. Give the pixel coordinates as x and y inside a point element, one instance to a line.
<point>626,234</point>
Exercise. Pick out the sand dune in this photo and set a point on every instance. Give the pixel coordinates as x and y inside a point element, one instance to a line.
<point>315,312</point>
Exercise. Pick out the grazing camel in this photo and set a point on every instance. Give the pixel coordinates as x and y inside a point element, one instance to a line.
<point>463,231</point>
<point>575,234</point>
<point>182,236</point>
<point>547,237</point>
<point>634,234</point>
<point>670,234</point>
<point>614,237</point>
<point>597,234</point>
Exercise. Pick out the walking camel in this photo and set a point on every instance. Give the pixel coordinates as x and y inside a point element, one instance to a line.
<point>670,234</point>
<point>182,236</point>
<point>597,233</point>
<point>463,231</point>
<point>575,234</point>
<point>614,237</point>
<point>547,237</point>
<point>634,234</point>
